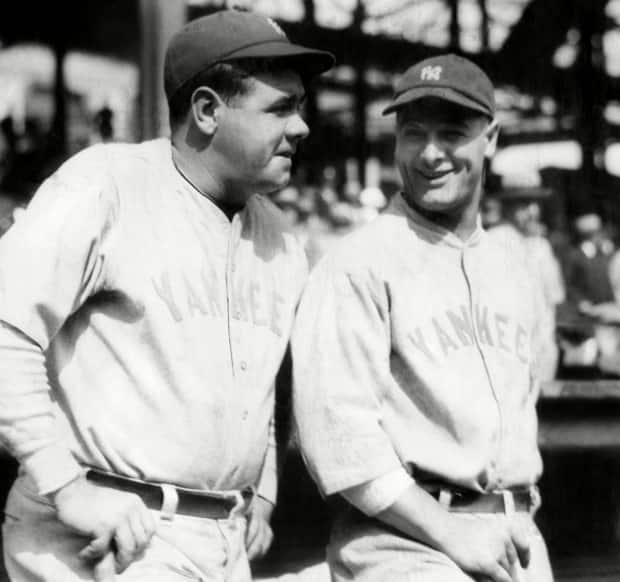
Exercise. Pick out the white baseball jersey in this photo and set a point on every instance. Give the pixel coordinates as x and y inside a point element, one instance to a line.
<point>414,349</point>
<point>163,324</point>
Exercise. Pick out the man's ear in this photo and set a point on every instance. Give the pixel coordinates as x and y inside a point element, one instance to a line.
<point>492,132</point>
<point>203,105</point>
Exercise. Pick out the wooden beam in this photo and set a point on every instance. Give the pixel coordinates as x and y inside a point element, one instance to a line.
<point>160,19</point>
<point>579,434</point>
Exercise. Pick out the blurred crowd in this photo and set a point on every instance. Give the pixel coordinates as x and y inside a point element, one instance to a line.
<point>576,272</point>
<point>322,214</point>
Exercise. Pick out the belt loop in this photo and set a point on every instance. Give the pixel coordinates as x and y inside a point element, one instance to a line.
<point>535,500</point>
<point>239,505</point>
<point>243,502</point>
<point>170,501</point>
<point>445,498</point>
<point>509,502</point>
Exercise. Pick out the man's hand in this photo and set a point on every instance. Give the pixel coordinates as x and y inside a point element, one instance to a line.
<point>114,521</point>
<point>488,549</point>
<point>258,536</point>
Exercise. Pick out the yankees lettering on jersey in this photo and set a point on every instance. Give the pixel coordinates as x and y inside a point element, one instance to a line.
<point>454,330</point>
<point>251,301</point>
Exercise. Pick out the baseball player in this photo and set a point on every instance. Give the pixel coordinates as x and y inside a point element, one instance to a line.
<point>413,349</point>
<point>146,301</point>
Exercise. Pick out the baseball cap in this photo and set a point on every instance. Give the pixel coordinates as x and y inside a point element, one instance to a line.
<point>230,35</point>
<point>448,77</point>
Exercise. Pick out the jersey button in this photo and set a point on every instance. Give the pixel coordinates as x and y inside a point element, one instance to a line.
<point>244,416</point>
<point>243,365</point>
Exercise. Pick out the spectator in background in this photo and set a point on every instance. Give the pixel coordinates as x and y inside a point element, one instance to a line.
<point>490,212</point>
<point>587,269</point>
<point>103,125</point>
<point>373,201</point>
<point>513,218</point>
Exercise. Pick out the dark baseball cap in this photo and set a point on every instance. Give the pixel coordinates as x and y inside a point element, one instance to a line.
<point>229,35</point>
<point>448,77</point>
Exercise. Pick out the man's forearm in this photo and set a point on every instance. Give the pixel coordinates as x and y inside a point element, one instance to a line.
<point>27,423</point>
<point>482,547</point>
<point>419,516</point>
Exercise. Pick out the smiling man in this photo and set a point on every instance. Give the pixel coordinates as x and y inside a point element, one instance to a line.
<point>146,303</point>
<point>413,354</point>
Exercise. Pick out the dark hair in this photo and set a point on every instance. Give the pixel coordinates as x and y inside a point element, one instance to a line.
<point>228,80</point>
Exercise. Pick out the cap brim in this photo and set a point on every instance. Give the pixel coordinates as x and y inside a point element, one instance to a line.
<point>310,62</point>
<point>444,93</point>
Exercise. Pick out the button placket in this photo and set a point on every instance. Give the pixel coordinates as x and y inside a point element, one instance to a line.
<point>235,312</point>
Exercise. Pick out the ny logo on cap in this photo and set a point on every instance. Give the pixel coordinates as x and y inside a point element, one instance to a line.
<point>276,27</point>
<point>431,73</point>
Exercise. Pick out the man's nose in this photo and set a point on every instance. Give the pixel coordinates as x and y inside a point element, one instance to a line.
<point>297,128</point>
<point>432,152</point>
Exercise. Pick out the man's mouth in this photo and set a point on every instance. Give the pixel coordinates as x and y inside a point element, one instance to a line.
<point>433,175</point>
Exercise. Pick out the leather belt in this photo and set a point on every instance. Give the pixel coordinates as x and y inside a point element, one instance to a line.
<point>502,501</point>
<point>194,502</point>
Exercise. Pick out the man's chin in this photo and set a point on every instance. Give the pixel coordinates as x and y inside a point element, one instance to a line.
<point>432,201</point>
<point>275,185</point>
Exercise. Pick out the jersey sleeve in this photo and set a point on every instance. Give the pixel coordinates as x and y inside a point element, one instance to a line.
<point>27,424</point>
<point>52,259</point>
<point>377,495</point>
<point>341,354</point>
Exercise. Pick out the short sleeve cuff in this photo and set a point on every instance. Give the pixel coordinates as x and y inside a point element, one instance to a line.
<point>373,497</point>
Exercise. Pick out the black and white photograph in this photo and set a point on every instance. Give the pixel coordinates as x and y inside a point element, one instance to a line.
<point>310,291</point>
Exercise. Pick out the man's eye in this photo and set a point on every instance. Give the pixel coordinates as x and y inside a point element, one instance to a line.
<point>286,109</point>
<point>453,135</point>
<point>412,131</point>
